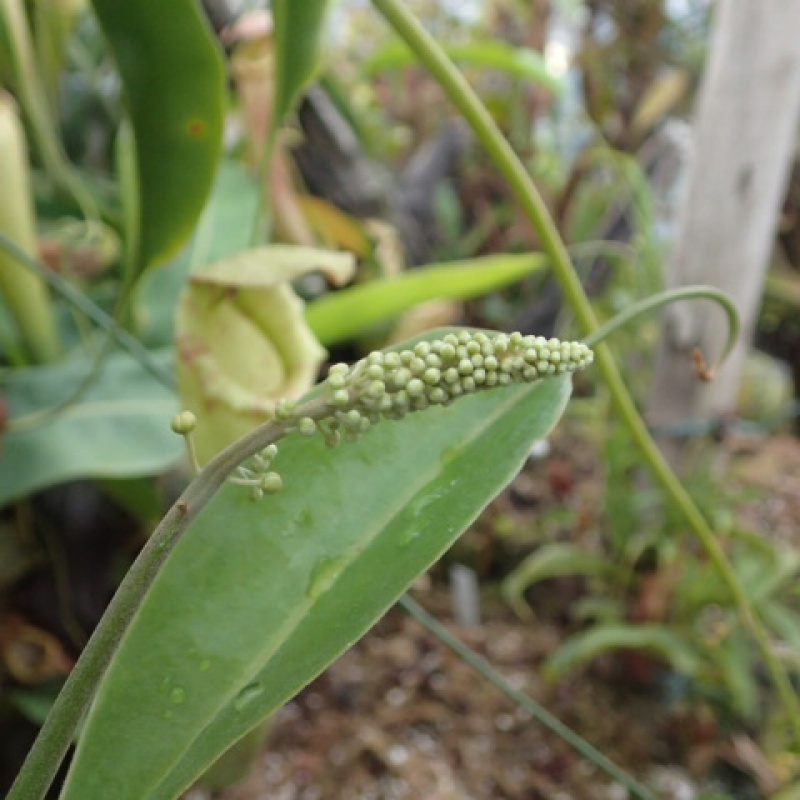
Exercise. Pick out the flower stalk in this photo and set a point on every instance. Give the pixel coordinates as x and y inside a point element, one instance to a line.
<point>519,181</point>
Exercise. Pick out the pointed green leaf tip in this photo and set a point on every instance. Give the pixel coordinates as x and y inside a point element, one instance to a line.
<point>393,384</point>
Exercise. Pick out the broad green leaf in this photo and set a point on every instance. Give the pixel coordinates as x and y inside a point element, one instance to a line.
<point>341,315</point>
<point>259,597</point>
<point>658,640</point>
<point>297,32</point>
<point>551,561</point>
<point>174,84</point>
<point>517,62</point>
<point>118,429</point>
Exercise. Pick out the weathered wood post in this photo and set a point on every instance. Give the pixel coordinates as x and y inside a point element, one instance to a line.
<point>744,136</point>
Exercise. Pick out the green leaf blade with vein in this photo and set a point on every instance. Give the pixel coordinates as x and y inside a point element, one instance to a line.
<point>118,429</point>
<point>258,598</point>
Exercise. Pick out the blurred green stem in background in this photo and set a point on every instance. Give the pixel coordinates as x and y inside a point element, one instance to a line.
<point>430,53</point>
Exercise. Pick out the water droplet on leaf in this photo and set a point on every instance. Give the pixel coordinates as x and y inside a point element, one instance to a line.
<point>323,576</point>
<point>177,695</point>
<point>408,536</point>
<point>247,696</point>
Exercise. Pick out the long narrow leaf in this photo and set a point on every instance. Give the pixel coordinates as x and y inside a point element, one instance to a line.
<point>551,561</point>
<point>297,31</point>
<point>658,640</point>
<point>174,83</point>
<point>517,62</point>
<point>344,314</point>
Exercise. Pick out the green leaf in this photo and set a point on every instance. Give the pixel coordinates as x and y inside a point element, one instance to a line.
<point>174,85</point>
<point>35,703</point>
<point>341,315</point>
<point>258,598</point>
<point>296,30</point>
<point>118,429</point>
<point>517,62</point>
<point>734,657</point>
<point>551,561</point>
<point>785,621</point>
<point>659,640</point>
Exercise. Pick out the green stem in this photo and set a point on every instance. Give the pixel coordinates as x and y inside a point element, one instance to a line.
<point>667,297</point>
<point>538,712</point>
<point>24,294</point>
<point>430,53</point>
<point>62,722</point>
<point>33,98</point>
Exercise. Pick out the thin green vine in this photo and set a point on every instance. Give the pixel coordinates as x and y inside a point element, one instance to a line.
<point>431,55</point>
<point>538,712</point>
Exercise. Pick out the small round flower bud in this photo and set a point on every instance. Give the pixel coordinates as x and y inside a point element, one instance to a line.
<point>466,367</point>
<point>271,483</point>
<point>307,426</point>
<point>432,376</point>
<point>451,376</point>
<point>184,423</point>
<point>376,389</point>
<point>437,396</point>
<point>501,344</point>
<point>401,377</point>
<point>284,409</point>
<point>422,349</point>
<point>415,388</point>
<point>336,380</point>
<point>433,360</point>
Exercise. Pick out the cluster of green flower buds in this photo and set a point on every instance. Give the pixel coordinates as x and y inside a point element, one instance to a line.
<point>258,476</point>
<point>389,385</point>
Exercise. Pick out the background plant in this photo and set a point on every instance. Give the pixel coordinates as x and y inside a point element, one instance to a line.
<point>234,203</point>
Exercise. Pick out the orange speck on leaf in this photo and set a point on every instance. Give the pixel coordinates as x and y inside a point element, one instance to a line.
<point>196,128</point>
